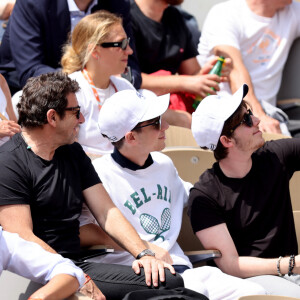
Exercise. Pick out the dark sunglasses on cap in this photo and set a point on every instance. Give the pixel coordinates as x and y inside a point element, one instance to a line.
<point>123,44</point>
<point>77,109</point>
<point>156,123</point>
<point>247,120</point>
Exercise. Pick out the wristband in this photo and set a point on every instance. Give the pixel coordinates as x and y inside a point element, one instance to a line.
<point>291,264</point>
<point>278,266</point>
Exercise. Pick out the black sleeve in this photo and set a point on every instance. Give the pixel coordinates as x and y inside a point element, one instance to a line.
<point>203,210</point>
<point>288,152</point>
<point>15,182</point>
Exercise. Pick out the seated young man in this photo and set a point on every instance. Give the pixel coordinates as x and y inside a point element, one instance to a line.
<point>242,205</point>
<point>32,261</point>
<point>145,186</point>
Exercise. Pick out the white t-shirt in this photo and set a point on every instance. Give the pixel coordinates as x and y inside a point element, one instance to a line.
<point>263,42</point>
<point>151,199</point>
<point>3,112</point>
<point>89,134</point>
<point>30,260</point>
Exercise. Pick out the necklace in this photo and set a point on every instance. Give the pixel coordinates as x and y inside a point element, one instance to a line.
<point>22,136</point>
<point>88,78</point>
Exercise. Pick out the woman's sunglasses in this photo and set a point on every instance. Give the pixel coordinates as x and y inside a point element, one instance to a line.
<point>123,44</point>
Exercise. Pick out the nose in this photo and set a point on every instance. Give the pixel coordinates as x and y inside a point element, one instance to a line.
<point>81,119</point>
<point>164,125</point>
<point>255,120</point>
<point>128,50</point>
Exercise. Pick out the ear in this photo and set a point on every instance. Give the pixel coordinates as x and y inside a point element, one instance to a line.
<point>226,141</point>
<point>130,137</point>
<point>95,53</point>
<point>51,117</point>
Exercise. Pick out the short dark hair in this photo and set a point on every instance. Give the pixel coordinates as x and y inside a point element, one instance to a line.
<point>120,142</point>
<point>47,91</point>
<point>221,152</point>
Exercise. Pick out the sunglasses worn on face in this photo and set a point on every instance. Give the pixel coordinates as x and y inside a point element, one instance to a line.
<point>247,120</point>
<point>123,44</point>
<point>76,108</point>
<point>156,123</point>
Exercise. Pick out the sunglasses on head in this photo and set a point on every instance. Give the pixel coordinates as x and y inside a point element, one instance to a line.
<point>77,109</point>
<point>247,120</point>
<point>156,123</point>
<point>123,44</point>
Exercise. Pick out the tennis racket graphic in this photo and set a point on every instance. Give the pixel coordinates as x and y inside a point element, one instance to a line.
<point>151,225</point>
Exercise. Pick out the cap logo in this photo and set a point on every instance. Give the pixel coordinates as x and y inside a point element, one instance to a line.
<point>212,147</point>
<point>140,95</point>
<point>112,138</point>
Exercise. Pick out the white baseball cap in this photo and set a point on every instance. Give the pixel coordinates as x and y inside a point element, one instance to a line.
<point>125,109</point>
<point>212,112</point>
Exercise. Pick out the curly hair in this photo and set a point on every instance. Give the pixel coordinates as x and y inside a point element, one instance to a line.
<point>47,91</point>
<point>221,152</point>
<point>91,30</point>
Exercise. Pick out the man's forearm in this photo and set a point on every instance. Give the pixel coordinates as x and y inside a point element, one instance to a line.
<point>123,232</point>
<point>247,266</point>
<point>162,84</point>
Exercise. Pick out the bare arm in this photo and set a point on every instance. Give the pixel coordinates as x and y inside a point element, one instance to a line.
<point>189,80</point>
<point>59,287</point>
<point>92,234</point>
<point>114,223</point>
<point>240,75</point>
<point>218,237</point>
<point>17,219</point>
<point>8,127</point>
<point>6,92</point>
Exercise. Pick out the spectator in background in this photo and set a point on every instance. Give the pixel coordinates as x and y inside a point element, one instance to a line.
<point>37,30</point>
<point>164,46</point>
<point>257,35</point>
<point>8,125</point>
<point>93,61</point>
<point>31,261</point>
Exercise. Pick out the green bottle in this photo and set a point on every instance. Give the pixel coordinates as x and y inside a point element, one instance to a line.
<point>216,69</point>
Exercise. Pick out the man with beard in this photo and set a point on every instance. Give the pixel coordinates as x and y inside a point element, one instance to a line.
<point>242,205</point>
<point>164,44</point>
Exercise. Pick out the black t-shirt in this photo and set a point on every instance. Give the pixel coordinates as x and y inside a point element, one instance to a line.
<point>164,45</point>
<point>257,208</point>
<point>53,189</point>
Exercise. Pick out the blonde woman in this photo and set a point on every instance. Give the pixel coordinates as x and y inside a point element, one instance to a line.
<point>98,53</point>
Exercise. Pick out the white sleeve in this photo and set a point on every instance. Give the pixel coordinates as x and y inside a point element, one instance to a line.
<point>30,260</point>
